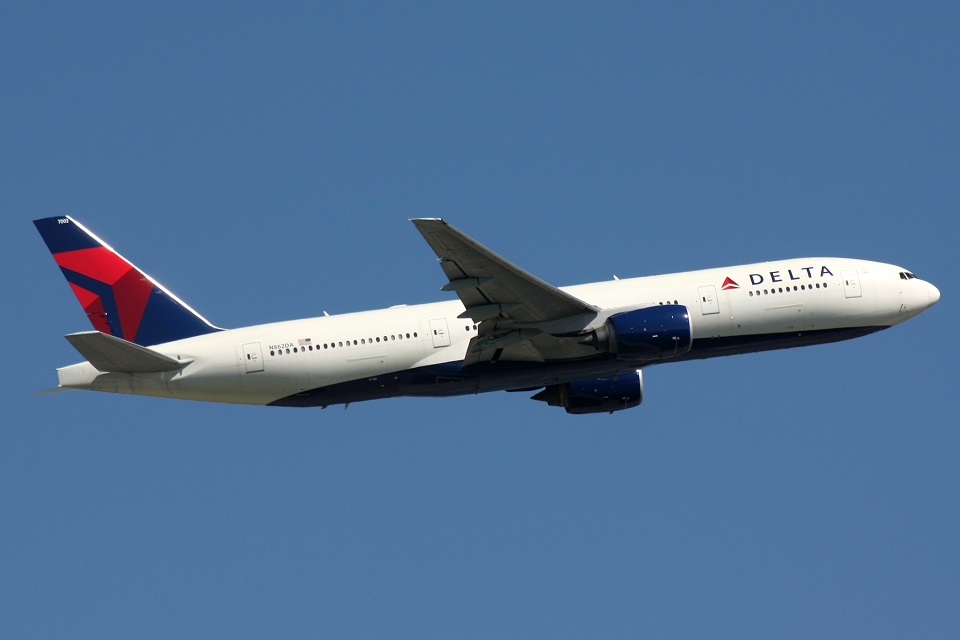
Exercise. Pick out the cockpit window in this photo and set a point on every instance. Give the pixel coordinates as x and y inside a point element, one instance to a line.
<point>906,275</point>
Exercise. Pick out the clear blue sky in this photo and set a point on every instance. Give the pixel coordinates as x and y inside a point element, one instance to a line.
<point>262,161</point>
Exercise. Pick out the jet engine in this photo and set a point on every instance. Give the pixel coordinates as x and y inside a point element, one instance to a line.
<point>651,333</point>
<point>603,395</point>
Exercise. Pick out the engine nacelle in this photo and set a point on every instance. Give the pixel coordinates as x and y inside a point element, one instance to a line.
<point>652,333</point>
<point>603,395</point>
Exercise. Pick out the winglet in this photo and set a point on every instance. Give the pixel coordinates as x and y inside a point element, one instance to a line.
<point>111,354</point>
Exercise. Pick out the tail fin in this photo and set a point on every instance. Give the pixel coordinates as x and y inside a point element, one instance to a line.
<point>119,299</point>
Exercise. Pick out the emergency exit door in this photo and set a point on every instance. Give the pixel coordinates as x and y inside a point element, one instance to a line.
<point>252,357</point>
<point>851,283</point>
<point>439,333</point>
<point>708,300</point>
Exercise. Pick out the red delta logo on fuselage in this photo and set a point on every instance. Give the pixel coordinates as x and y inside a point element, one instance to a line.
<point>779,276</point>
<point>729,283</point>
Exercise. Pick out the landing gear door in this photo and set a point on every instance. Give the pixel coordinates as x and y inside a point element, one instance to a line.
<point>708,300</point>
<point>851,283</point>
<point>252,357</point>
<point>439,333</point>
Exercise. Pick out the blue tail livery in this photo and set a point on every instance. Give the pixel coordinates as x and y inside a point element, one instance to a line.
<point>119,299</point>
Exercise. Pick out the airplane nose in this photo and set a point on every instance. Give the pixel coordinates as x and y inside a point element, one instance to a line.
<point>934,294</point>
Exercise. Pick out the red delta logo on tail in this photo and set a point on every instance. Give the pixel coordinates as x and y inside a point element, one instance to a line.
<point>729,283</point>
<point>117,278</point>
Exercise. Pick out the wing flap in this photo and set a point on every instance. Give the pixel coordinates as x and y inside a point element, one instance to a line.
<point>111,354</point>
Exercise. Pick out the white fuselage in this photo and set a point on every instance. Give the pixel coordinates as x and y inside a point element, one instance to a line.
<point>417,349</point>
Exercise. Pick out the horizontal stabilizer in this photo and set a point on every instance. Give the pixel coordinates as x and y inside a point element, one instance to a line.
<point>111,354</point>
<point>47,392</point>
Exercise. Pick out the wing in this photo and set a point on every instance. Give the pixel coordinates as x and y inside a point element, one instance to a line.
<point>514,309</point>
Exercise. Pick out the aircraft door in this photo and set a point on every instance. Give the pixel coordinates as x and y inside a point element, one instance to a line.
<point>252,357</point>
<point>709,303</point>
<point>851,283</point>
<point>439,333</point>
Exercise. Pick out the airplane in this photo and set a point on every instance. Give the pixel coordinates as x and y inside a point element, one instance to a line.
<point>583,348</point>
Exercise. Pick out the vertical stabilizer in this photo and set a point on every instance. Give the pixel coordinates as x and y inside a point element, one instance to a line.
<point>119,299</point>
